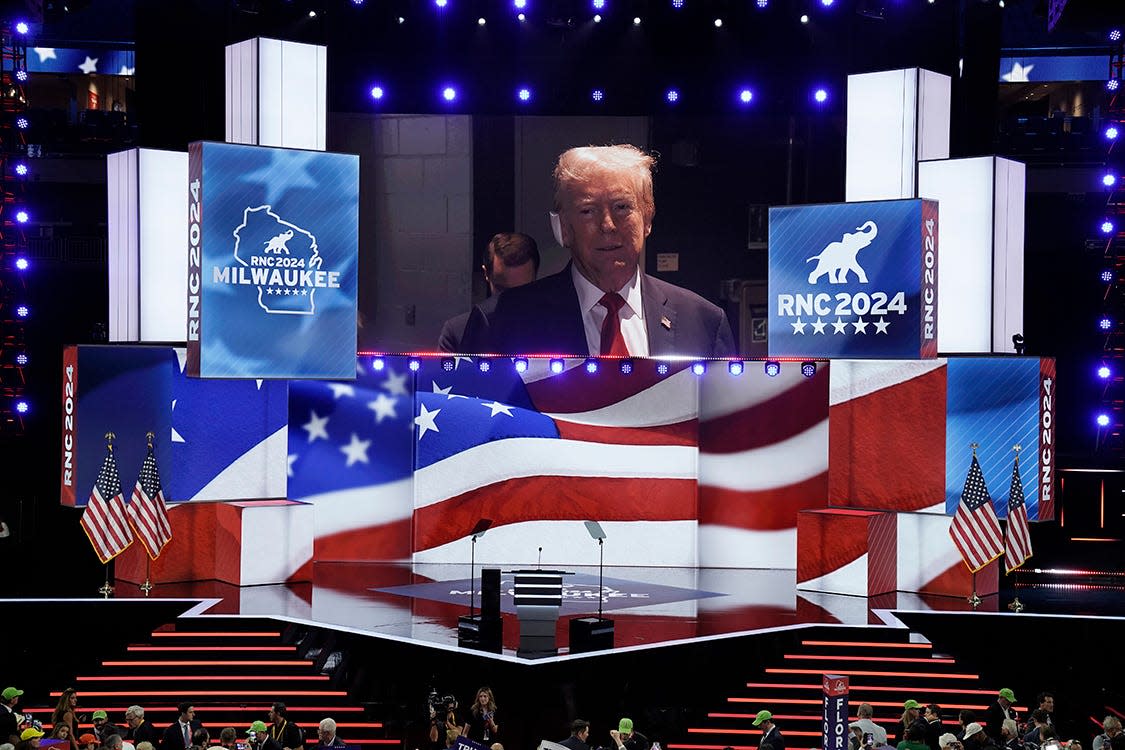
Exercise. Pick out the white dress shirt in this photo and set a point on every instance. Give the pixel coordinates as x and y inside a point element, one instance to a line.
<point>593,314</point>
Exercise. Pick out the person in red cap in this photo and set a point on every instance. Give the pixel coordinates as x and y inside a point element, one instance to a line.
<point>88,742</point>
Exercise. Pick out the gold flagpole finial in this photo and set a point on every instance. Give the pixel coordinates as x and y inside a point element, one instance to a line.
<point>150,435</point>
<point>974,446</point>
<point>109,438</point>
<point>1017,448</point>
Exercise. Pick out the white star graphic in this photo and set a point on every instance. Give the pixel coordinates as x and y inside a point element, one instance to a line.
<point>881,326</point>
<point>45,53</point>
<point>1018,73</point>
<point>498,408</point>
<point>289,469</point>
<point>341,389</point>
<point>316,426</point>
<point>798,327</point>
<point>383,406</point>
<point>447,392</point>
<point>258,382</point>
<point>356,450</point>
<point>860,326</point>
<point>425,420</point>
<point>126,71</point>
<point>457,361</point>
<point>395,384</point>
<point>839,327</point>
<point>90,66</point>
<point>293,164</point>
<point>818,326</point>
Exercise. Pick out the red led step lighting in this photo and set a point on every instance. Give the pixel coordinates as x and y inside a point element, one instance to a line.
<point>236,663</point>
<point>248,693</point>
<point>834,657</point>
<point>242,649</point>
<point>217,677</point>
<point>876,688</point>
<point>211,634</point>
<point>866,644</point>
<point>788,732</point>
<point>923,675</point>
<point>807,702</point>
<point>711,747</point>
<point>239,709</point>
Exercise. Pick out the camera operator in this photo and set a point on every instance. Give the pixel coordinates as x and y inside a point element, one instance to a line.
<point>481,725</point>
<point>443,718</point>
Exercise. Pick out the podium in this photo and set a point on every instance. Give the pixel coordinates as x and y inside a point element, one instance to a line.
<point>538,596</point>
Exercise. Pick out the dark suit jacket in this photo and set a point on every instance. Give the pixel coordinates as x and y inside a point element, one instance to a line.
<point>173,739</point>
<point>544,318</point>
<point>453,329</point>
<point>574,743</point>
<point>144,732</point>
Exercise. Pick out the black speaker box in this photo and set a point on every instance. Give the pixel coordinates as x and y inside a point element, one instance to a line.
<point>590,634</point>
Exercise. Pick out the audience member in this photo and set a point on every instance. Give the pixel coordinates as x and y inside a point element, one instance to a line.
<point>865,725</point>
<point>579,732</point>
<point>228,738</point>
<point>1046,702</point>
<point>326,734</point>
<point>1111,727</point>
<point>62,732</point>
<point>178,734</point>
<point>9,719</point>
<point>914,738</point>
<point>771,735</point>
<point>481,725</point>
<point>625,737</point>
<point>998,710</point>
<point>258,737</point>
<point>949,741</point>
<point>87,741</point>
<point>1010,735</point>
<point>965,717</point>
<point>103,727</point>
<point>976,738</point>
<point>932,716</point>
<point>912,717</point>
<point>113,741</point>
<point>64,713</point>
<point>1039,719</point>
<point>288,736</point>
<point>145,746</point>
<point>140,730</point>
<point>200,739</point>
<point>29,739</point>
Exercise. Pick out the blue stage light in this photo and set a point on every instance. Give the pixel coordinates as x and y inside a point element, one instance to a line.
<point>1103,420</point>
<point>745,96</point>
<point>591,366</point>
<point>1115,35</point>
<point>804,18</point>
<point>22,27</point>
<point>1107,227</point>
<point>447,364</point>
<point>677,4</point>
<point>735,367</point>
<point>21,76</point>
<point>22,123</point>
<point>22,407</point>
<point>1105,324</point>
<point>449,93</point>
<point>1109,180</point>
<point>556,366</point>
<point>22,216</point>
<point>1104,372</point>
<point>414,365</point>
<point>597,95</point>
<point>484,365</point>
<point>718,23</point>
<point>21,359</point>
<point>772,368</point>
<point>377,92</point>
<point>626,367</point>
<point>826,3</point>
<point>357,3</point>
<point>661,368</point>
<point>481,21</point>
<point>820,96</point>
<point>597,4</point>
<point>672,95</point>
<point>1111,132</point>
<point>521,364</point>
<point>1112,84</point>
<point>763,3</point>
<point>441,3</point>
<point>524,94</point>
<point>808,369</point>
<point>22,264</point>
<point>597,18</point>
<point>378,364</point>
<point>1107,276</point>
<point>521,17</point>
<point>21,170</point>
<point>23,311</point>
<point>699,368</point>
<point>519,4</point>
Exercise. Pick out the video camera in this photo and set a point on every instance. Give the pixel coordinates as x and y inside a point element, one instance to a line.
<point>440,705</point>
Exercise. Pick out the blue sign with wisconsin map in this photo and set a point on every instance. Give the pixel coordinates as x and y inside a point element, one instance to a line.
<point>854,280</point>
<point>273,262</point>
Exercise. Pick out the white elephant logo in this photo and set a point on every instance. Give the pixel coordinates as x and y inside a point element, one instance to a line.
<point>838,259</point>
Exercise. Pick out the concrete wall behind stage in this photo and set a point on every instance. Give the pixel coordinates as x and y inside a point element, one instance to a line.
<point>415,223</point>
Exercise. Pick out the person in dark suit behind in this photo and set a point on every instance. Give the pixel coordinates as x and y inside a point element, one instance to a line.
<point>771,735</point>
<point>602,303</point>
<point>511,259</point>
<point>179,733</point>
<point>579,732</point>
<point>999,710</point>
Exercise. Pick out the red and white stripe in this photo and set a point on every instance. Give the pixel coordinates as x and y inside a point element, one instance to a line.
<point>150,518</point>
<point>106,526</point>
<point>977,534</point>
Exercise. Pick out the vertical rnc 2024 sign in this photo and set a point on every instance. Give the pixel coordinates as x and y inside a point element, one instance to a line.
<point>835,688</point>
<point>273,258</point>
<point>854,280</point>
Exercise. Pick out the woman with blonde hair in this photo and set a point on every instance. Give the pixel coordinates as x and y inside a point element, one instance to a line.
<point>64,715</point>
<point>482,726</point>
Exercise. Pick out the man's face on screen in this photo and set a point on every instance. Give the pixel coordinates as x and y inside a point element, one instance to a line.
<point>605,229</point>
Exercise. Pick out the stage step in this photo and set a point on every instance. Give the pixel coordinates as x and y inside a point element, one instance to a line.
<point>884,673</point>
<point>233,670</point>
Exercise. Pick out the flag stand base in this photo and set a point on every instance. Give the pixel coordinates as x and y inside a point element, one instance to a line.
<point>1016,605</point>
<point>147,585</point>
<point>106,590</point>
<point>974,600</point>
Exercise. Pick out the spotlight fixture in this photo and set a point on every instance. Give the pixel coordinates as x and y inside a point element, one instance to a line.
<point>22,123</point>
<point>597,4</point>
<point>524,94</point>
<point>1115,35</point>
<point>677,4</point>
<point>21,170</point>
<point>1111,133</point>
<point>597,95</point>
<point>1103,420</point>
<point>22,216</point>
<point>377,92</point>
<point>484,365</point>
<point>591,366</point>
<point>636,20</point>
<point>745,96</point>
<point>22,407</point>
<point>626,367</point>
<point>521,364</point>
<point>556,366</point>
<point>23,311</point>
<point>772,368</point>
<point>826,3</point>
<point>672,95</point>
<point>808,369</point>
<point>718,23</point>
<point>597,18</point>
<point>447,364</point>
<point>414,365</point>
<point>1112,84</point>
<point>481,21</point>
<point>519,4</point>
<point>1105,324</point>
<point>312,14</point>
<point>21,359</point>
<point>521,18</point>
<point>1107,276</point>
<point>698,368</point>
<point>21,264</point>
<point>401,20</point>
<point>804,18</point>
<point>449,93</point>
<point>22,27</point>
<point>661,368</point>
<point>735,367</point>
<point>21,76</point>
<point>820,96</point>
<point>763,3</point>
<point>357,3</point>
<point>1107,227</point>
<point>441,3</point>
<point>378,364</point>
<point>1104,372</point>
<point>1109,179</point>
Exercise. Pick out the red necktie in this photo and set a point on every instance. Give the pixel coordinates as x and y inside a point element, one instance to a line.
<point>613,343</point>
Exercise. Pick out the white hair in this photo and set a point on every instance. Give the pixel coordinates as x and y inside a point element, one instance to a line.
<point>328,725</point>
<point>135,711</point>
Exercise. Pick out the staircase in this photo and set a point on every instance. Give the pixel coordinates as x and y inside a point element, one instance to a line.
<point>884,670</point>
<point>232,670</point>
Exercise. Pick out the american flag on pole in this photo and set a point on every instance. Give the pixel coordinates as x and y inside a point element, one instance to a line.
<point>104,518</point>
<point>147,511</point>
<point>975,529</point>
<point>1017,543</point>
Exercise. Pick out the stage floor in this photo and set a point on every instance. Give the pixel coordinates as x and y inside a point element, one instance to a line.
<point>651,607</point>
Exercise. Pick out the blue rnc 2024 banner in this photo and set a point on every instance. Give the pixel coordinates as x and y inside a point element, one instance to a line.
<point>854,280</point>
<point>273,262</point>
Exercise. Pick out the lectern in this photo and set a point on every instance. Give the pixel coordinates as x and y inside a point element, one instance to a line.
<point>538,596</point>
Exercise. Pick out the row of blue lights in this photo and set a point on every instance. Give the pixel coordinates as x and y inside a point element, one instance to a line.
<point>450,94</point>
<point>736,367</point>
<point>21,263</point>
<point>598,6</point>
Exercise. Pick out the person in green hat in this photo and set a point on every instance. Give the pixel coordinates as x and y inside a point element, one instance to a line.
<point>912,716</point>
<point>9,719</point>
<point>771,735</point>
<point>625,737</point>
<point>998,710</point>
<point>258,737</point>
<point>103,728</point>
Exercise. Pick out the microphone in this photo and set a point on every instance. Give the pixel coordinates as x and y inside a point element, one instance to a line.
<point>540,563</point>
